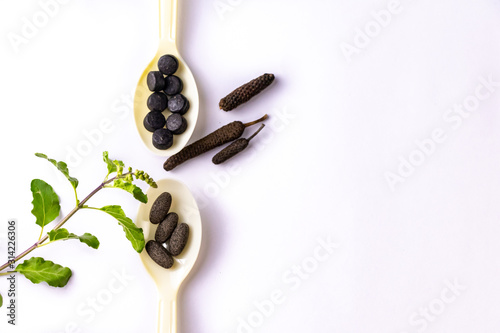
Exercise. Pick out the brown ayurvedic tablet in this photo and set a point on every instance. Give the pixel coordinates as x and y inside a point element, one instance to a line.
<point>159,254</point>
<point>166,227</point>
<point>160,208</point>
<point>179,239</point>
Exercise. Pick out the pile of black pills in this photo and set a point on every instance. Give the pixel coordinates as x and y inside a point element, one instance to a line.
<point>167,96</point>
<point>170,237</point>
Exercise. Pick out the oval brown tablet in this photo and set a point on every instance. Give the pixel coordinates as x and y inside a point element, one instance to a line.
<point>179,239</point>
<point>160,208</point>
<point>159,254</point>
<point>166,227</point>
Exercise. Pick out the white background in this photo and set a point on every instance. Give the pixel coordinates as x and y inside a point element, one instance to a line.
<point>318,172</point>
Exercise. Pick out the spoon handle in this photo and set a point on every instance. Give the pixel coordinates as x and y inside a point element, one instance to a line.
<point>167,314</point>
<point>168,20</point>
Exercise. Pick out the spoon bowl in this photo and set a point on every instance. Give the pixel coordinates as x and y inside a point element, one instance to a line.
<point>169,281</point>
<point>167,45</point>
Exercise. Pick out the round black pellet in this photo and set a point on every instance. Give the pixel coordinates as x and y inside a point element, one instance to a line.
<point>154,120</point>
<point>159,254</point>
<point>173,85</point>
<point>166,227</point>
<point>156,81</point>
<point>163,139</point>
<point>168,64</point>
<point>177,104</point>
<point>176,123</point>
<point>160,208</point>
<point>157,101</point>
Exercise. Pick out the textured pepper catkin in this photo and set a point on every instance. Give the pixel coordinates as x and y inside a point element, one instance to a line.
<point>234,148</point>
<point>244,93</point>
<point>225,134</point>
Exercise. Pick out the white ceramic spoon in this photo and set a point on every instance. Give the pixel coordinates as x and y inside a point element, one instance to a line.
<point>167,45</point>
<point>168,281</point>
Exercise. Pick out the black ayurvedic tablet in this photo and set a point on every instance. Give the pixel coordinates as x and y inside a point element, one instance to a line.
<point>176,123</point>
<point>163,139</point>
<point>154,120</point>
<point>156,81</point>
<point>178,104</point>
<point>173,85</point>
<point>168,64</point>
<point>157,101</point>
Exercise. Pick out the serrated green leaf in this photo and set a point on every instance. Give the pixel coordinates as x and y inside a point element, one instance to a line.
<point>45,202</point>
<point>64,234</point>
<point>1,300</point>
<point>132,232</point>
<point>113,165</point>
<point>131,188</point>
<point>38,270</point>
<point>110,164</point>
<point>61,166</point>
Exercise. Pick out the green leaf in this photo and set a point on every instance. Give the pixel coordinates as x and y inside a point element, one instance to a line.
<point>1,300</point>
<point>61,166</point>
<point>90,240</point>
<point>131,188</point>
<point>45,202</point>
<point>60,234</point>
<point>132,232</point>
<point>111,165</point>
<point>64,234</point>
<point>38,270</point>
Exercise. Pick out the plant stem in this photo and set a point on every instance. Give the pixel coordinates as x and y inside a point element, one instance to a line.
<point>264,117</point>
<point>253,135</point>
<point>76,196</point>
<point>63,221</point>
<point>45,244</point>
<point>7,273</point>
<point>41,233</point>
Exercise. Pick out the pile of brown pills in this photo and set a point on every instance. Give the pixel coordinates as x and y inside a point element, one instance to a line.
<point>170,237</point>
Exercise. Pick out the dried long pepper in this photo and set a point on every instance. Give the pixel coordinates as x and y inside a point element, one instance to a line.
<point>245,92</point>
<point>234,148</point>
<point>225,134</point>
